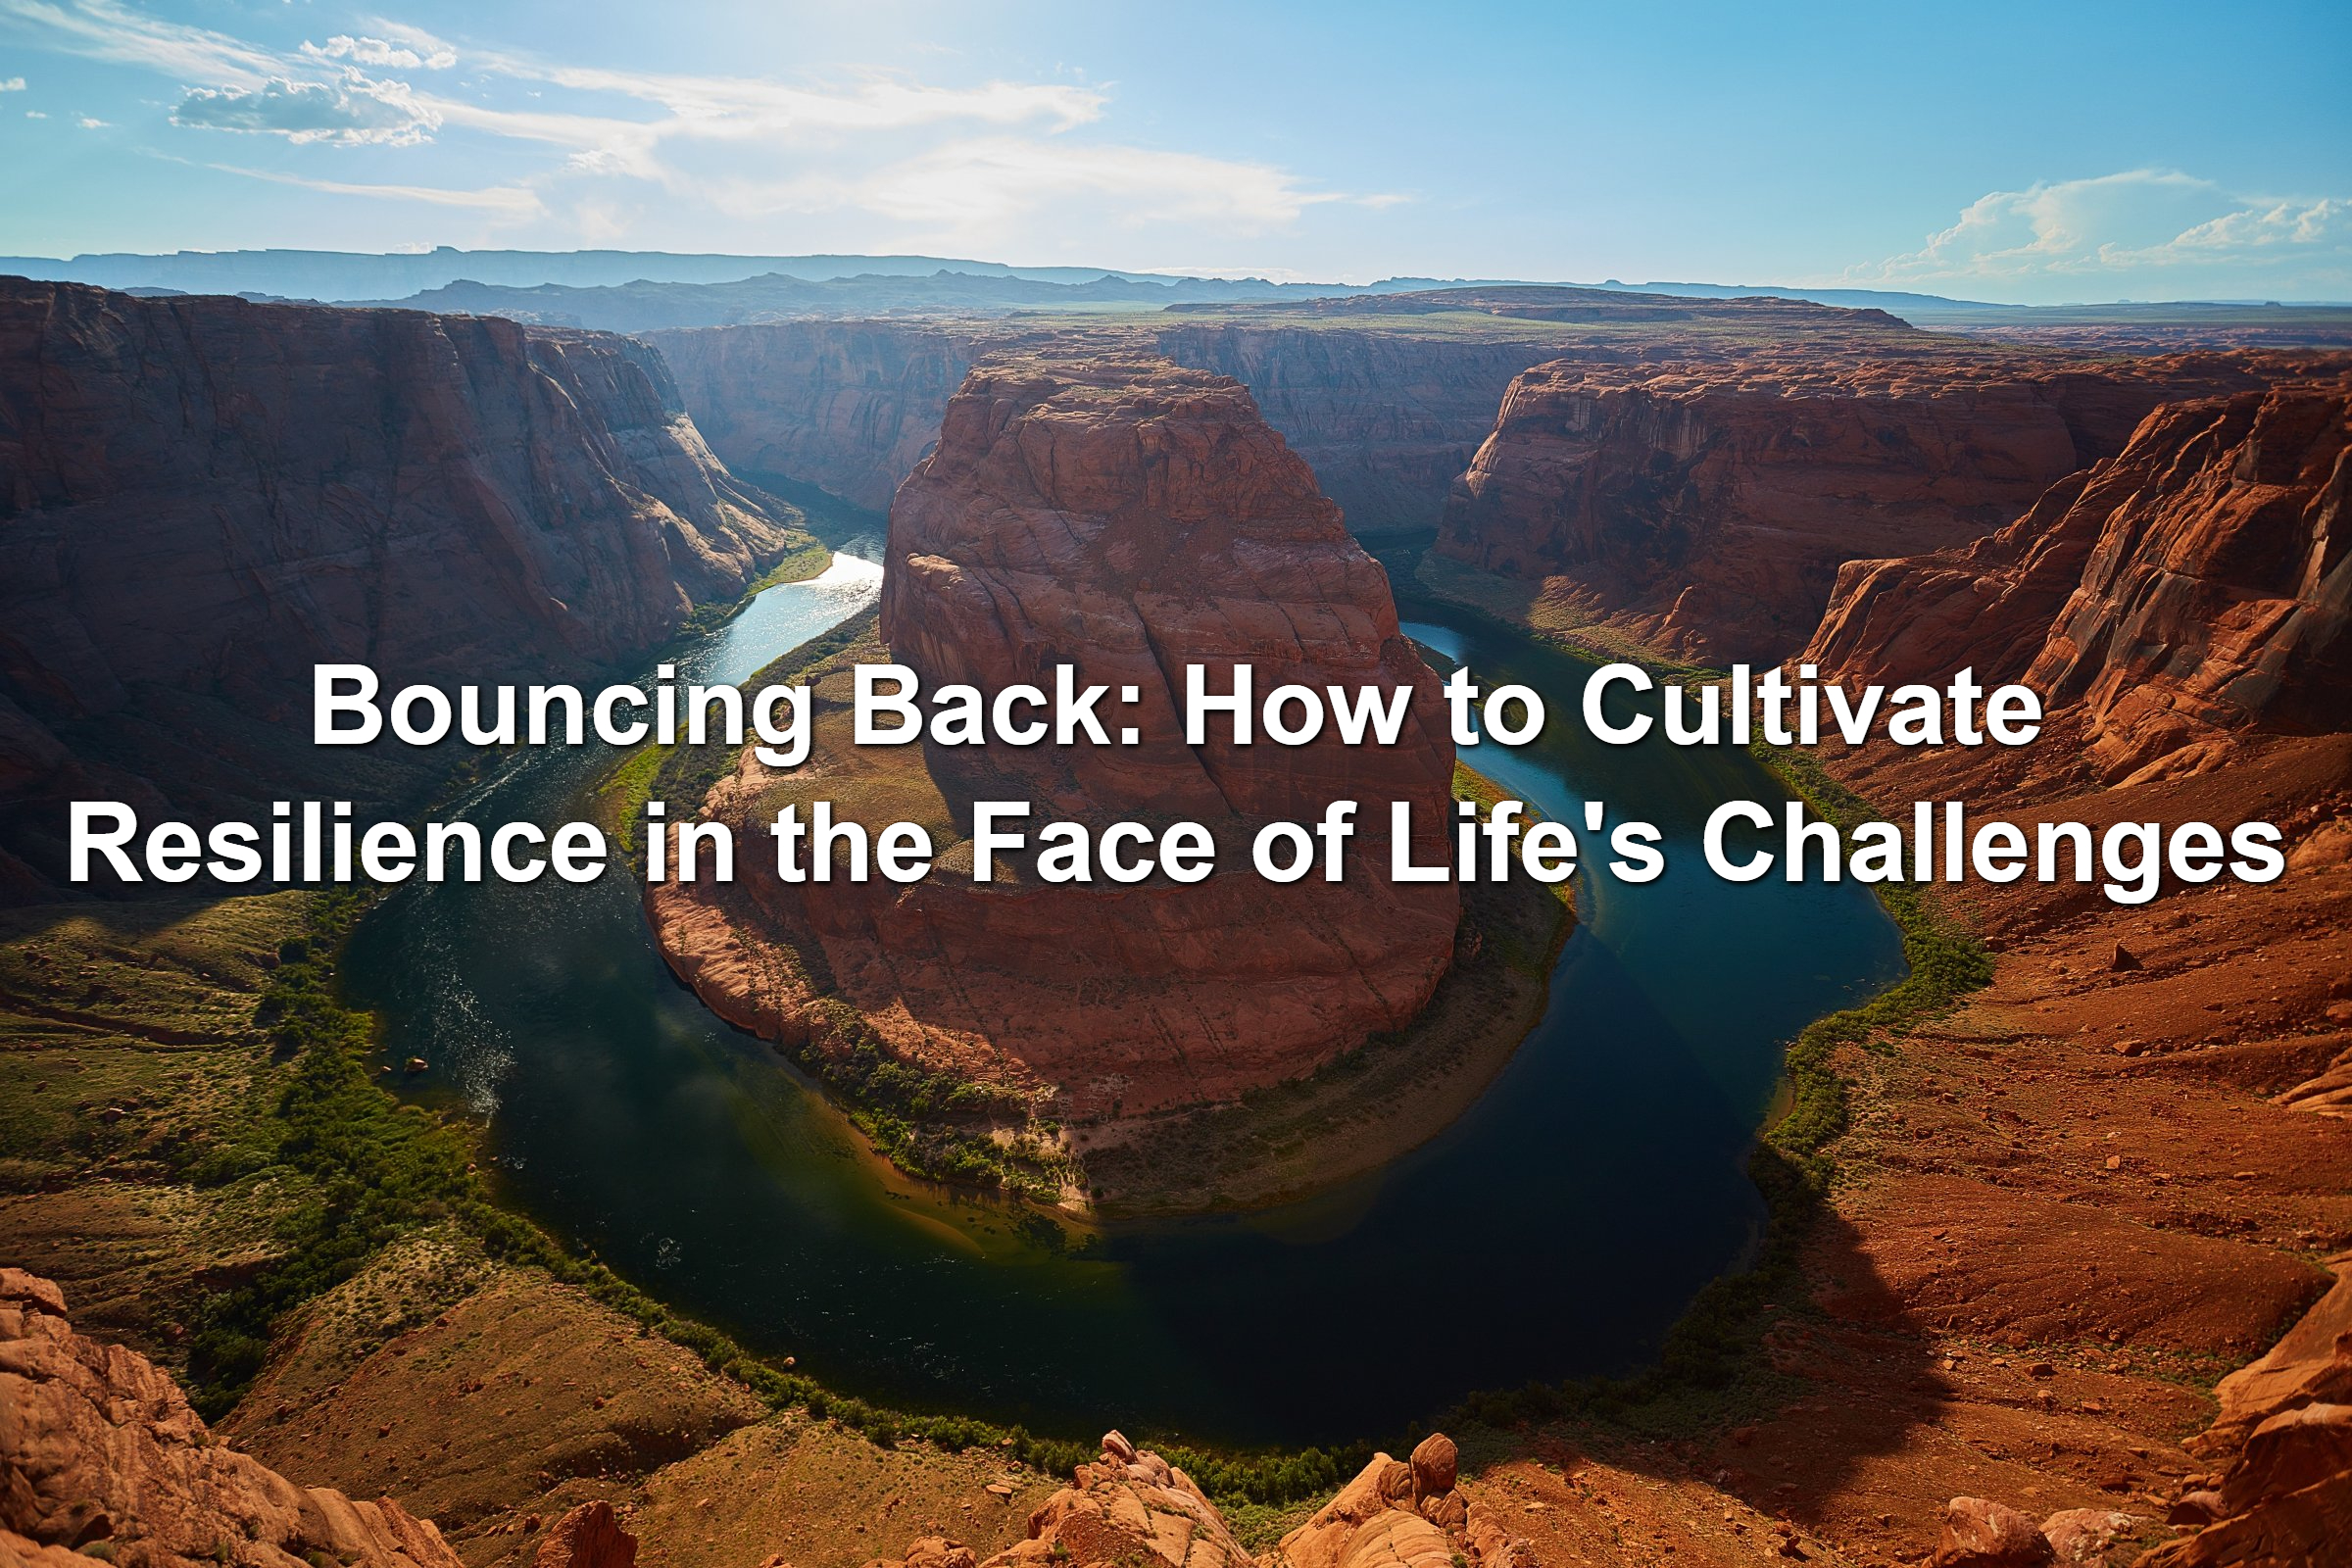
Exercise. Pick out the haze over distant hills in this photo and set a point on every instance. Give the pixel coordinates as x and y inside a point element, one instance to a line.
<point>636,291</point>
<point>350,277</point>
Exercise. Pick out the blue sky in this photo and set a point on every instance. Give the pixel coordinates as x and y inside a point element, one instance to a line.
<point>2047,152</point>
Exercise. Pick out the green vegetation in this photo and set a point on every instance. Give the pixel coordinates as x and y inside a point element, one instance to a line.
<point>374,1167</point>
<point>935,1125</point>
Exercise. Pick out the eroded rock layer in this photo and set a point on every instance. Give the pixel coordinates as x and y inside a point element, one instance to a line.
<point>1704,506</point>
<point>2189,589</point>
<point>101,1456</point>
<point>1119,521</point>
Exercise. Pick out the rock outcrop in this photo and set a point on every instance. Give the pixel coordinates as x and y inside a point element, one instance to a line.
<point>1704,506</point>
<point>99,1446</point>
<point>2280,1497</point>
<point>1407,1513</point>
<point>2190,589</point>
<point>2283,1440</point>
<point>590,1536</point>
<point>1116,520</point>
<point>200,498</point>
<point>1132,1509</point>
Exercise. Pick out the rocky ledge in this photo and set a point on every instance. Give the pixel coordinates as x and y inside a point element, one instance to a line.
<point>201,498</point>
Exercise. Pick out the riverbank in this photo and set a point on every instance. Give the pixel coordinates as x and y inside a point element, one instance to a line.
<point>1373,1106</point>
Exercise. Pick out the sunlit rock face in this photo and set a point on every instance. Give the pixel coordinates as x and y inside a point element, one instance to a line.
<point>2187,591</point>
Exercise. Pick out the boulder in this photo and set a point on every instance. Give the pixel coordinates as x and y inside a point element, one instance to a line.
<point>1979,1533</point>
<point>1433,1463</point>
<point>2093,1538</point>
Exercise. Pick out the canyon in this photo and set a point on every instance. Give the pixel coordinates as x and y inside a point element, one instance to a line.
<point>1386,397</point>
<point>1684,476</point>
<point>1120,520</point>
<point>2079,1292</point>
<point>199,498</point>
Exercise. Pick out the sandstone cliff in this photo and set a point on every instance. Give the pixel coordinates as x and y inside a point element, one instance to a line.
<point>2189,589</point>
<point>199,498</point>
<point>848,407</point>
<point>1703,507</point>
<point>99,1449</point>
<point>1386,397</point>
<point>1122,520</point>
<point>1386,419</point>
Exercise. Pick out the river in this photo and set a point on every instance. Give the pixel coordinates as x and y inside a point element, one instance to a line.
<point>1557,1229</point>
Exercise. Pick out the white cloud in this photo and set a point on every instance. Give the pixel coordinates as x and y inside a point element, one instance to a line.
<point>898,159</point>
<point>34,114</point>
<point>965,186</point>
<point>365,51</point>
<point>13,84</point>
<point>2147,220</point>
<point>513,202</point>
<point>93,122</point>
<point>353,112</point>
<point>750,105</point>
<point>101,29</point>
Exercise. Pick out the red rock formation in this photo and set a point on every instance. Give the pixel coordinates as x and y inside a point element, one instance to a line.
<point>199,498</point>
<point>588,1536</point>
<point>1405,1513</point>
<point>1125,519</point>
<point>1133,1509</point>
<point>1133,519</point>
<point>1706,505</point>
<point>1386,419</point>
<point>2284,1435</point>
<point>2189,589</point>
<point>96,1444</point>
